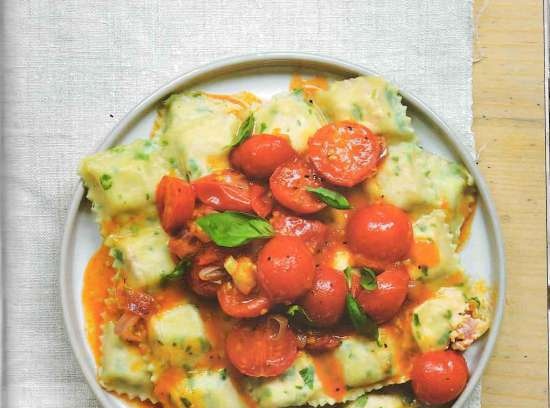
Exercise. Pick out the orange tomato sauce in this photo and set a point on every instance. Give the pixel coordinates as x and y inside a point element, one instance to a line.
<point>97,280</point>
<point>330,373</point>
<point>425,253</point>
<point>309,85</point>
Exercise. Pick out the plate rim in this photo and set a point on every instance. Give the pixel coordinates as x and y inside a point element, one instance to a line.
<point>287,59</point>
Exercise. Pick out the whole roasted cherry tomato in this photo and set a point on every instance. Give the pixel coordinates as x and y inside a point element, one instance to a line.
<point>285,269</point>
<point>345,153</point>
<point>381,233</point>
<point>439,377</point>
<point>175,200</point>
<point>262,349</point>
<point>261,154</point>
<point>236,304</point>
<point>324,303</point>
<point>224,190</point>
<point>385,301</point>
<point>289,183</point>
<point>260,200</point>
<point>313,232</point>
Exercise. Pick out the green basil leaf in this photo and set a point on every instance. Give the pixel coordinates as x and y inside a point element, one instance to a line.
<point>348,272</point>
<point>368,279</point>
<point>330,197</point>
<point>360,320</point>
<point>244,132</point>
<point>296,311</point>
<point>307,375</point>
<point>233,229</point>
<point>181,269</point>
<point>106,181</point>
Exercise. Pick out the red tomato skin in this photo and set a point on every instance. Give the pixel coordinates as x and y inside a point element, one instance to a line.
<point>255,352</point>
<point>439,377</point>
<point>381,232</point>
<point>285,269</point>
<point>175,201</point>
<point>312,232</point>
<point>325,302</point>
<point>225,191</point>
<point>261,154</point>
<point>260,200</point>
<point>236,304</point>
<point>345,153</point>
<point>289,183</point>
<point>383,303</point>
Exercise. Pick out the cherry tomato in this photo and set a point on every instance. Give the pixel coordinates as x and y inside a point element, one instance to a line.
<point>236,304</point>
<point>260,200</point>
<point>312,232</point>
<point>175,200</point>
<point>289,183</point>
<point>285,269</point>
<point>210,257</point>
<point>262,349</point>
<point>439,377</point>
<point>381,233</point>
<point>261,154</point>
<point>345,153</point>
<point>204,288</point>
<point>224,190</point>
<point>385,301</point>
<point>324,303</point>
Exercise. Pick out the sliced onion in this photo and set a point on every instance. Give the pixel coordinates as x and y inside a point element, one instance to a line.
<point>279,324</point>
<point>212,273</point>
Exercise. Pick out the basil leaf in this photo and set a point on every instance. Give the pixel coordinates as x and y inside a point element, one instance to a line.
<point>368,279</point>
<point>233,229</point>
<point>330,197</point>
<point>181,269</point>
<point>348,272</point>
<point>106,181</point>
<point>244,132</point>
<point>307,376</point>
<point>297,310</point>
<point>360,320</point>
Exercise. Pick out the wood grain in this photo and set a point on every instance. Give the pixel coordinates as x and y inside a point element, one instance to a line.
<point>508,82</point>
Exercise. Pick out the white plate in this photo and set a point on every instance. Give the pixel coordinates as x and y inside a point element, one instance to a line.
<point>266,74</point>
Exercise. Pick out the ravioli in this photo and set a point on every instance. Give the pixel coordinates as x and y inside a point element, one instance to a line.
<point>289,114</point>
<point>378,401</point>
<point>177,337</point>
<point>206,389</point>
<point>123,368</point>
<point>371,101</point>
<point>140,251</point>
<point>198,130</point>
<point>124,178</point>
<point>417,181</point>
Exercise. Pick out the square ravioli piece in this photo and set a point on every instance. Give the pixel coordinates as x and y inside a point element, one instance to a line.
<point>378,401</point>
<point>123,368</point>
<point>371,101</point>
<point>289,114</point>
<point>124,179</point>
<point>141,252</point>
<point>198,130</point>
<point>177,337</point>
<point>206,389</point>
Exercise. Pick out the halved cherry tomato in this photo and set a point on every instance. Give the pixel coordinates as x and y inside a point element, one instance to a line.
<point>260,200</point>
<point>324,303</point>
<point>381,233</point>
<point>289,183</point>
<point>236,304</point>
<point>261,349</point>
<point>261,154</point>
<point>224,190</point>
<point>345,153</point>
<point>384,302</point>
<point>313,232</point>
<point>285,269</point>
<point>439,377</point>
<point>175,200</point>
<point>184,246</point>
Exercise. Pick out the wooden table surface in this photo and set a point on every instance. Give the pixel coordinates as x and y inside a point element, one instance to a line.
<point>508,87</point>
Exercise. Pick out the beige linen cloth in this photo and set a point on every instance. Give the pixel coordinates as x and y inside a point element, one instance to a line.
<point>73,68</point>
